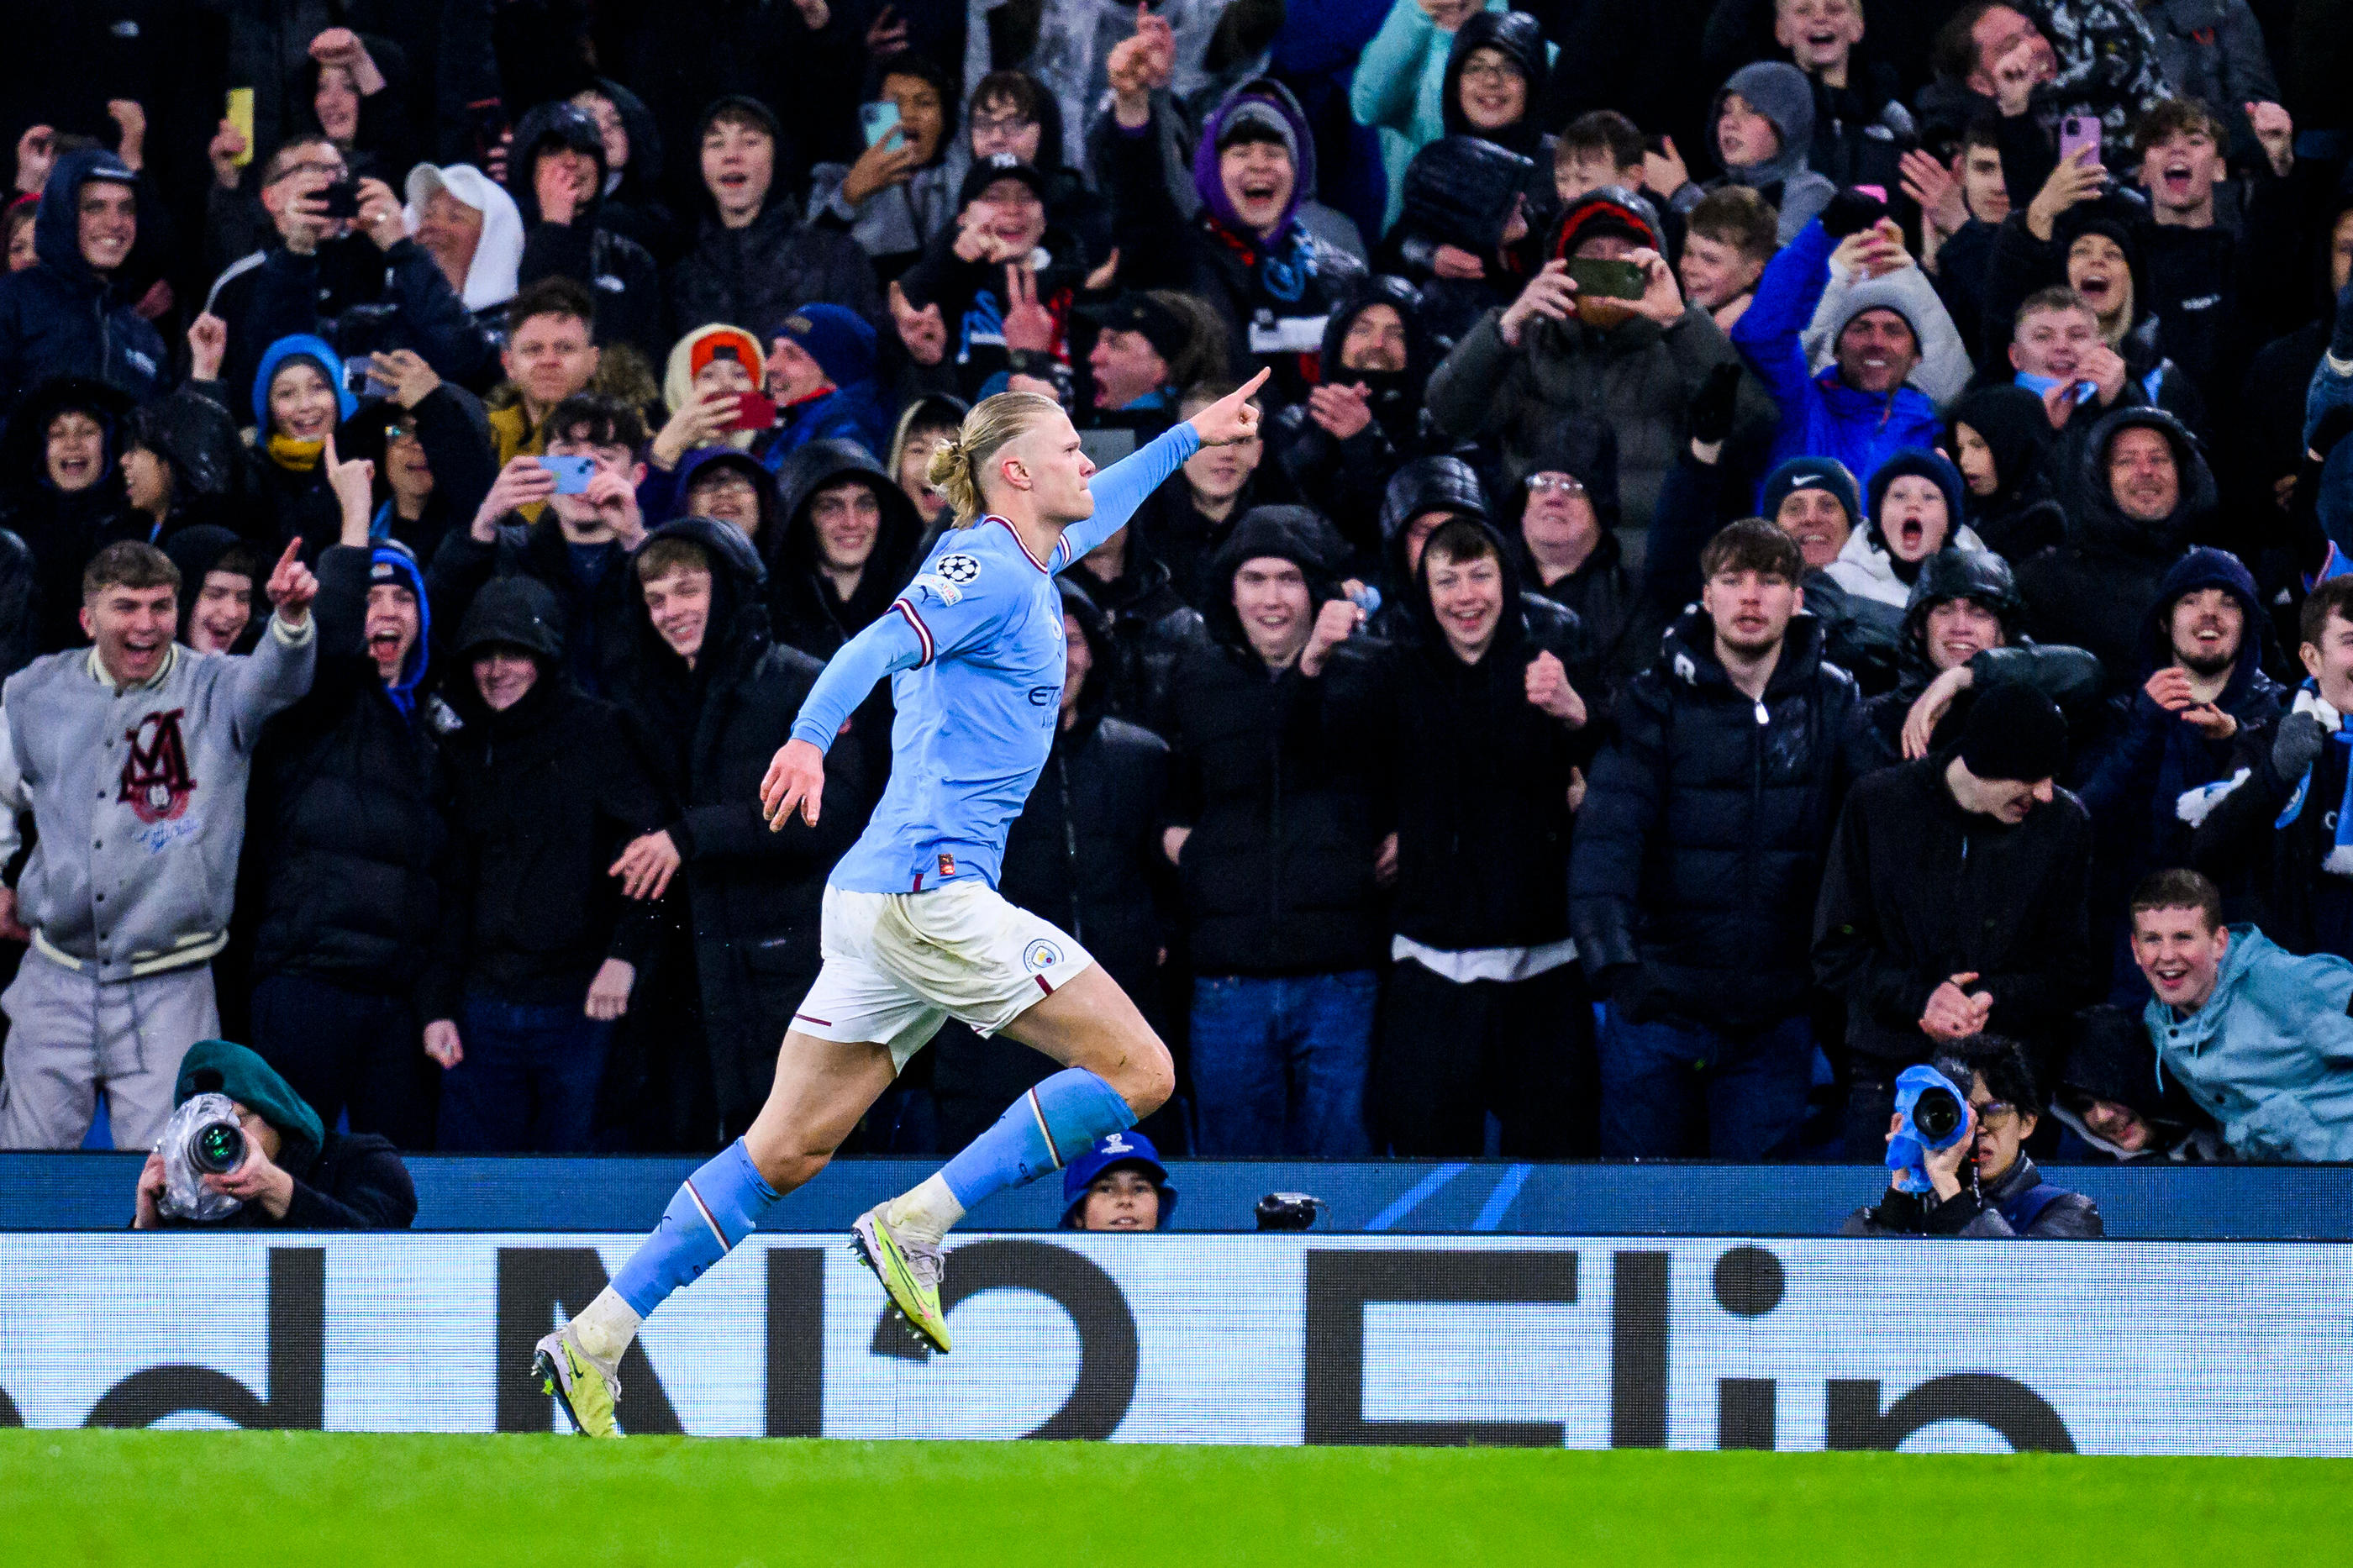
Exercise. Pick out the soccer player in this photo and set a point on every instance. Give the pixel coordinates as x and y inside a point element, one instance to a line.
<point>914,932</point>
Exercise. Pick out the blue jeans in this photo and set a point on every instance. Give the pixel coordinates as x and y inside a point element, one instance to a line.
<point>528,1082</point>
<point>1279,1065</point>
<point>1670,1090</point>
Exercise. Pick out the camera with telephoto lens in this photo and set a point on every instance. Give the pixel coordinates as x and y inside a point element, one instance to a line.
<point>1287,1211</point>
<point>202,1138</point>
<point>1935,1116</point>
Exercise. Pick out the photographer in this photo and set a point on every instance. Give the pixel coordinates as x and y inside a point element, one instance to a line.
<point>1983,1185</point>
<point>296,1174</point>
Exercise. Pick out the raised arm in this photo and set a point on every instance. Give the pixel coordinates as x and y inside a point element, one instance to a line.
<point>1120,489</point>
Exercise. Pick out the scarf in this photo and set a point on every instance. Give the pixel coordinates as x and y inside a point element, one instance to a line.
<point>298,457</point>
<point>1283,265</point>
<point>2338,862</point>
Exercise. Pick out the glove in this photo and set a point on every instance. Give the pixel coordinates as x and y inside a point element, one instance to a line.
<point>1712,407</point>
<point>1851,212</point>
<point>2297,745</point>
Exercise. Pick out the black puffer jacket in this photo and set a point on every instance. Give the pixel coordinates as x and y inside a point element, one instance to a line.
<point>2022,516</point>
<point>1918,890</point>
<point>1344,479</point>
<point>597,618</point>
<point>1700,846</point>
<point>347,818</point>
<point>2095,590</point>
<point>546,794</point>
<point>1620,622</point>
<point>1463,191</point>
<point>2068,676</point>
<point>1482,782</point>
<point>1275,773</point>
<point>1145,628</point>
<point>753,896</point>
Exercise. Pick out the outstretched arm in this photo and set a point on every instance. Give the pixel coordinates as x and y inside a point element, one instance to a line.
<point>1120,489</point>
<point>797,777</point>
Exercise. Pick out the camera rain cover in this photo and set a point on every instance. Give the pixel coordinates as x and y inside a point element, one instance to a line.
<point>183,1145</point>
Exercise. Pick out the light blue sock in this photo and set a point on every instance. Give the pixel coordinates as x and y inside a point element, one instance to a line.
<point>720,1205</point>
<point>1043,1130</point>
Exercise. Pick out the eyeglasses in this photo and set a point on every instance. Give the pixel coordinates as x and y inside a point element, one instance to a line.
<point>1000,124</point>
<point>1567,484</point>
<point>1489,71</point>
<point>405,430</point>
<point>1993,1112</point>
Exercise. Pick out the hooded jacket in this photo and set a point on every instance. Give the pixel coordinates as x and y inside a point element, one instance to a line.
<point>2159,758</point>
<point>1918,889</point>
<point>1401,86</point>
<point>2094,589</point>
<point>342,1181</point>
<point>634,203</point>
<point>61,316</point>
<point>1519,36</point>
<point>286,499</point>
<point>348,826</point>
<point>614,268</point>
<point>2068,676</point>
<point>1481,777</point>
<point>62,529</point>
<point>1820,415</point>
<point>1781,93</point>
<point>1700,846</point>
<point>752,896</point>
<point>2269,1056</point>
<point>1275,291</point>
<point>1462,191</point>
<point>544,795</point>
<point>759,274</point>
<point>454,433</point>
<point>663,497</point>
<point>1344,479</point>
<point>1620,623</point>
<point>2022,515</point>
<point>805,611</point>
<point>490,277</point>
<point>1277,775</point>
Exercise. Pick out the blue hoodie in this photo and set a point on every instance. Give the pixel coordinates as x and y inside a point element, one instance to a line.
<point>390,562</point>
<point>2269,1056</point>
<point>60,317</point>
<point>301,345</point>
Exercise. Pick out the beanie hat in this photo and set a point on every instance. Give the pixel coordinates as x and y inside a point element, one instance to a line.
<point>1610,210</point>
<point>2014,733</point>
<point>1810,473</point>
<point>839,341</point>
<point>1256,119</point>
<point>1877,294</point>
<point>1933,467</point>
<point>217,1067</point>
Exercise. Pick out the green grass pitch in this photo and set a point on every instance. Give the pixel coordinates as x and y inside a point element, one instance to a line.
<point>91,1497</point>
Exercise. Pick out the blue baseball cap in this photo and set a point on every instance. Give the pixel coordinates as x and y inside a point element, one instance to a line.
<point>1128,1148</point>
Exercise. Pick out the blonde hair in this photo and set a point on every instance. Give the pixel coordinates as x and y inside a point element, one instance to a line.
<point>958,463</point>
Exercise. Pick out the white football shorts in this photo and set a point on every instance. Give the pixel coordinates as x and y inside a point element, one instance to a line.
<point>899,965</point>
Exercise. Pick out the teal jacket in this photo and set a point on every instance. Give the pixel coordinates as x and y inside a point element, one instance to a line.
<point>1400,89</point>
<point>2269,1056</point>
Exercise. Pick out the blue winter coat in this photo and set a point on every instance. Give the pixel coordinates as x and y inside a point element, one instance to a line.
<point>1821,416</point>
<point>2269,1056</point>
<point>60,317</point>
<point>852,414</point>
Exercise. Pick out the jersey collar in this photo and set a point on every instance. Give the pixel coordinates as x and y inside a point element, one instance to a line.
<point>1024,543</point>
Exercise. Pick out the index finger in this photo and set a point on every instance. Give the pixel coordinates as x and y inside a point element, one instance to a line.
<point>1251,385</point>
<point>293,553</point>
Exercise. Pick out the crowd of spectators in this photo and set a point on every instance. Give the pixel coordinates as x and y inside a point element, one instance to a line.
<point>1794,539</point>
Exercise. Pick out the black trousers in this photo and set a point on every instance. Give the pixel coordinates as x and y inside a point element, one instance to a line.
<point>349,1051</point>
<point>1446,1055</point>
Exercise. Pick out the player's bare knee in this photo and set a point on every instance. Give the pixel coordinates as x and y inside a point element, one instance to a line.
<point>1148,1076</point>
<point>781,1164</point>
